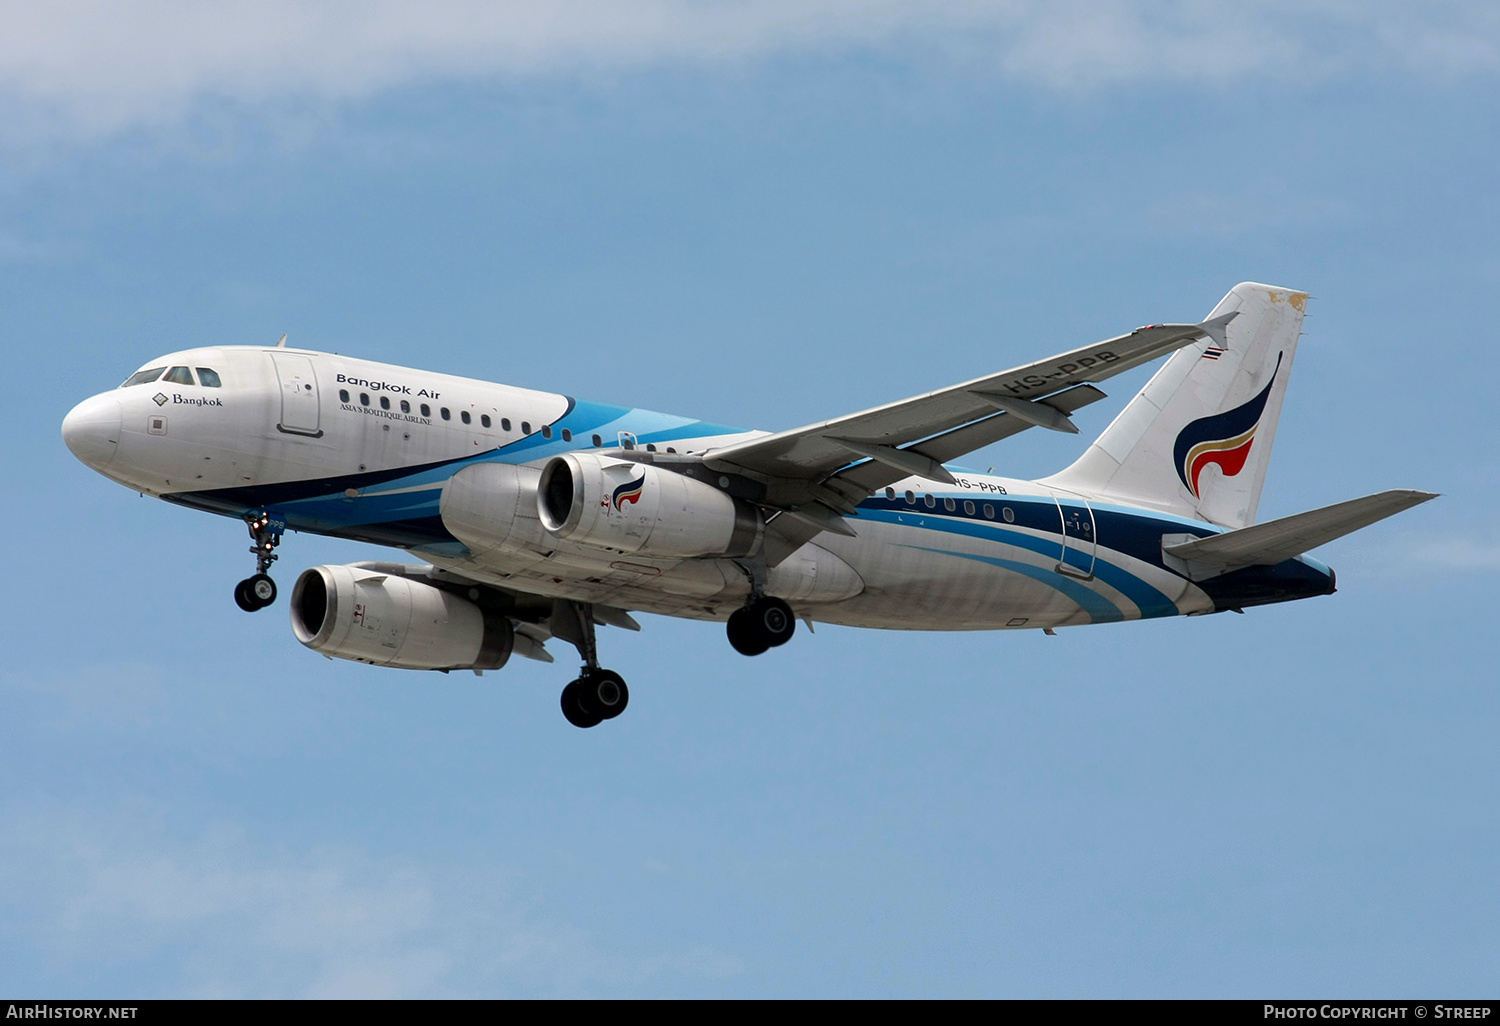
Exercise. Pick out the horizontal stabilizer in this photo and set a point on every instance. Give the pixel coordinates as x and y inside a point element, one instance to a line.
<point>1277,540</point>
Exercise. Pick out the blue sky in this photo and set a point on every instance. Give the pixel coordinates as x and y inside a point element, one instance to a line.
<point>761,214</point>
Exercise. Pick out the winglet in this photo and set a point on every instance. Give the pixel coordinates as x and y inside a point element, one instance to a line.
<point>1214,327</point>
<point>282,343</point>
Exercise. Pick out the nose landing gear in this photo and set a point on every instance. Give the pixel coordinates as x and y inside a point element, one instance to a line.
<point>259,591</point>
<point>255,593</point>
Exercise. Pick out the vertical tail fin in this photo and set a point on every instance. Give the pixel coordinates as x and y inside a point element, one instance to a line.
<point>1197,440</point>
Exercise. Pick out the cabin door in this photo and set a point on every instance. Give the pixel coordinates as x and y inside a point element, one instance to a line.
<point>1078,537</point>
<point>299,394</point>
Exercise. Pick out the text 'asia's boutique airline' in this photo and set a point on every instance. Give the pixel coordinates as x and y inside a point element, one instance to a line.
<point>540,516</point>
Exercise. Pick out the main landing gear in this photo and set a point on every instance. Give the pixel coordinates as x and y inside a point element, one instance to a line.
<point>259,591</point>
<point>765,623</point>
<point>598,694</point>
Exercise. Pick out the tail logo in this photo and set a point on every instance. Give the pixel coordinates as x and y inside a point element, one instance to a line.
<point>1224,439</point>
<point>630,491</point>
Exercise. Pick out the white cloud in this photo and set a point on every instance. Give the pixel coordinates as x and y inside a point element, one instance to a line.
<point>219,915</point>
<point>1470,555</point>
<point>127,696</point>
<point>89,69</point>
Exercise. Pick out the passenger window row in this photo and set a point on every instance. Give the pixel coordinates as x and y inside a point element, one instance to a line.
<point>207,377</point>
<point>446,414</point>
<point>385,403</point>
<point>951,505</point>
<point>598,441</point>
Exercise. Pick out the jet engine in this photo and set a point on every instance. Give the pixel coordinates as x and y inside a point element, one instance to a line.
<point>385,620</point>
<point>490,506</point>
<point>636,507</point>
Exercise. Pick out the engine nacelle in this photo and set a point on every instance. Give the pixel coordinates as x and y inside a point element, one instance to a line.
<point>358,614</point>
<point>635,507</point>
<point>490,506</point>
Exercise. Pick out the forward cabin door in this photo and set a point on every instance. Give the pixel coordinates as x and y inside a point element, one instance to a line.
<point>299,394</point>
<point>1078,536</point>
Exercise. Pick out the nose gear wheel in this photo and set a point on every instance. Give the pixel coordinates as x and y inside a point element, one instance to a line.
<point>255,592</point>
<point>259,591</point>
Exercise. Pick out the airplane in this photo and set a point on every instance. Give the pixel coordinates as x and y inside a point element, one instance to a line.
<point>539,516</point>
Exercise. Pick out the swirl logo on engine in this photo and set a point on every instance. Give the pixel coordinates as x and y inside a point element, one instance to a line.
<point>630,491</point>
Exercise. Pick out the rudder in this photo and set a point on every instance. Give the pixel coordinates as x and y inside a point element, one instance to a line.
<point>1197,439</point>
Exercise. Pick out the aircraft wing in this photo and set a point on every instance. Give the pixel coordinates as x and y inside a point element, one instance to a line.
<point>818,474</point>
<point>818,449</point>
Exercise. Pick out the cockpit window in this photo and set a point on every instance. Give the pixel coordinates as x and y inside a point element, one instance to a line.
<point>179,376</point>
<point>208,378</point>
<point>142,376</point>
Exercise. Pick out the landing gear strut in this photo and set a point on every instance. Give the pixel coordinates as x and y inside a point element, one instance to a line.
<point>259,591</point>
<point>598,694</point>
<point>765,623</point>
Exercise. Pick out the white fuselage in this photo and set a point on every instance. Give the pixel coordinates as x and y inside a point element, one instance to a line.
<point>362,450</point>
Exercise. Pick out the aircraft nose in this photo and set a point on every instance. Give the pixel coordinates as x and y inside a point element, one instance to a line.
<point>92,430</point>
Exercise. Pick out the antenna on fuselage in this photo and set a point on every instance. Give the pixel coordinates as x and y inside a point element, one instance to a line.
<point>282,343</point>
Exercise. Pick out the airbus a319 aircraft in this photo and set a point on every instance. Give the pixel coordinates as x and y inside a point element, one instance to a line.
<point>540,516</point>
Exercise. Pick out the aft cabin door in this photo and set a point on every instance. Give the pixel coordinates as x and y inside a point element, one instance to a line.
<point>1078,541</point>
<point>299,394</point>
